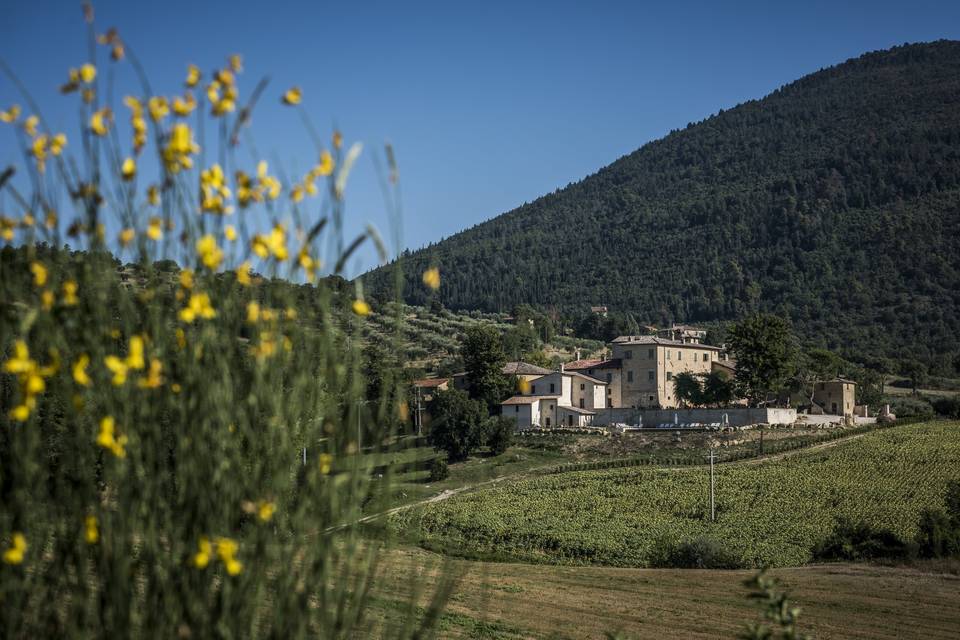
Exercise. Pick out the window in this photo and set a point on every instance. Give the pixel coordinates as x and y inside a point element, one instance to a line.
<point>581,403</point>
<point>609,391</point>
<point>649,398</point>
<point>679,355</point>
<point>629,376</point>
<point>582,386</point>
<point>551,387</point>
<point>706,357</point>
<point>533,388</point>
<point>548,422</point>
<point>651,374</point>
<point>516,408</point>
<point>628,354</point>
<point>668,354</point>
<point>669,375</point>
<point>650,354</point>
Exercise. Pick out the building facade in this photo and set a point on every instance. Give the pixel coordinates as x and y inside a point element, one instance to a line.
<point>649,363</point>
<point>836,397</point>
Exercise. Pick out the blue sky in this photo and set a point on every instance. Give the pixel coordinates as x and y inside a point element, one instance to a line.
<point>489,105</point>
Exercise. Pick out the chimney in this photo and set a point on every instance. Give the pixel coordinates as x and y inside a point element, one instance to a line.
<point>576,353</point>
<point>562,367</point>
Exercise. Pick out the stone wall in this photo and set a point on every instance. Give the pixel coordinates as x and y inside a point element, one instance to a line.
<point>654,417</point>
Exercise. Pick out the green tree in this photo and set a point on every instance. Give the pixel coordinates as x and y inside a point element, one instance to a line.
<point>499,434</point>
<point>718,389</point>
<point>456,424</point>
<point>483,359</point>
<point>765,350</point>
<point>916,371</point>
<point>686,386</point>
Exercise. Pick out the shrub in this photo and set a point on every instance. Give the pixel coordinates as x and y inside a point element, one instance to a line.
<point>701,552</point>
<point>499,434</point>
<point>939,535</point>
<point>904,407</point>
<point>456,424</point>
<point>439,470</point>
<point>948,407</point>
<point>861,541</point>
<point>169,438</point>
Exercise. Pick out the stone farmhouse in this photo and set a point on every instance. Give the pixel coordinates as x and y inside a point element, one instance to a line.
<point>558,398</point>
<point>836,397</point>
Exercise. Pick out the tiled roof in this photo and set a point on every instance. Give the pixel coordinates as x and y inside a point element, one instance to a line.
<point>661,341</point>
<point>524,369</point>
<point>430,382</point>
<point>577,374</point>
<point>584,412</point>
<point>613,363</point>
<point>522,400</point>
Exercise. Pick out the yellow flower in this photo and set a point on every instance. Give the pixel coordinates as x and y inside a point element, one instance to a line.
<point>202,557</point>
<point>39,273</point>
<point>326,463</point>
<point>80,371</point>
<point>292,96</point>
<point>155,228</point>
<point>99,121</point>
<point>253,312</point>
<point>70,293</point>
<point>129,169</point>
<point>325,167</point>
<point>50,219</point>
<point>176,155</point>
<point>193,75</point>
<point>91,532</point>
<point>337,139</point>
<point>14,555</point>
<point>361,308</point>
<point>57,143</point>
<point>158,107</point>
<point>243,274</point>
<point>184,106</point>
<point>274,243</point>
<point>236,63</point>
<point>226,551</point>
<point>230,233</point>
<point>265,510</point>
<point>7,228</point>
<point>46,299</point>
<point>20,413</point>
<point>108,440</point>
<point>197,307</point>
<point>30,125</point>
<point>215,192</point>
<point>126,236</point>
<point>210,254</point>
<point>186,278</point>
<point>153,195</point>
<point>39,151</point>
<point>20,362</point>
<point>135,356</point>
<point>296,194</point>
<point>88,73</point>
<point>11,114</point>
<point>431,278</point>
<point>153,380</point>
<point>118,368</point>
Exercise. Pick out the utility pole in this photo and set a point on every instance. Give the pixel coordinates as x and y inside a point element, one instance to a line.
<point>419,414</point>
<point>713,510</point>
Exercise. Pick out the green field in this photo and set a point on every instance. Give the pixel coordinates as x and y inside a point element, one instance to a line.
<point>772,513</point>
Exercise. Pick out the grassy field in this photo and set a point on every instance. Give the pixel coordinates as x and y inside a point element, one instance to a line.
<point>506,601</point>
<point>767,514</point>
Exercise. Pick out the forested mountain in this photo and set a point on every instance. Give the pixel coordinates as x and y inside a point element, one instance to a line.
<point>835,201</point>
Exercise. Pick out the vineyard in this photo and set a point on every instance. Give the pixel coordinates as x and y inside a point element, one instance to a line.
<point>767,514</point>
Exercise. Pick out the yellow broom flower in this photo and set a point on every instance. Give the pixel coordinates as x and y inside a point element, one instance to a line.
<point>292,96</point>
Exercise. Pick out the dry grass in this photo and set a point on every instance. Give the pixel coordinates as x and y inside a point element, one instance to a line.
<point>498,600</point>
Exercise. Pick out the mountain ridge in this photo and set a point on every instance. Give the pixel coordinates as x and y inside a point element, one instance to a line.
<point>832,200</point>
